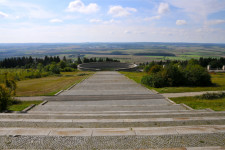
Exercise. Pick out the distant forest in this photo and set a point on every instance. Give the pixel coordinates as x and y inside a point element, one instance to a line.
<point>27,62</point>
<point>204,62</point>
<point>30,62</point>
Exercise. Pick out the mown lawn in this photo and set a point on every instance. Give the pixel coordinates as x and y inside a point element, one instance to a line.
<point>217,78</point>
<point>195,103</point>
<point>22,105</point>
<point>50,85</point>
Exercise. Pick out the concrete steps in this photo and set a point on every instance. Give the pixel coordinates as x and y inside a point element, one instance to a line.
<point>111,123</point>
<point>104,97</point>
<point>115,115</point>
<point>125,138</point>
<point>108,108</point>
<point>109,111</point>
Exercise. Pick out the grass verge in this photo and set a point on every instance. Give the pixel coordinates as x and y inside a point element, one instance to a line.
<point>21,105</point>
<point>218,80</point>
<point>48,86</point>
<point>196,103</point>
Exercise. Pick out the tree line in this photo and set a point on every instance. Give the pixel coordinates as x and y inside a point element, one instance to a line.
<point>27,62</point>
<point>213,62</point>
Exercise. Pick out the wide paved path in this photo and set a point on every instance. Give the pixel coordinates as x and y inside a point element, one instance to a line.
<point>108,91</point>
<point>107,83</point>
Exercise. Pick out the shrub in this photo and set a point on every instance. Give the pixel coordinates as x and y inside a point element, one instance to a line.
<point>82,74</point>
<point>153,80</point>
<point>54,68</point>
<point>155,69</point>
<point>5,98</point>
<point>67,69</point>
<point>197,76</point>
<point>172,75</point>
<point>210,96</point>
<point>148,67</point>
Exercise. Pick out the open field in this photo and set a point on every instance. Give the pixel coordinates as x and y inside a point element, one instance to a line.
<point>22,105</point>
<point>218,79</point>
<point>50,85</point>
<point>126,52</point>
<point>195,103</point>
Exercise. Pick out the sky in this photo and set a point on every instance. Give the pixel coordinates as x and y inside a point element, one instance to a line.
<point>75,21</point>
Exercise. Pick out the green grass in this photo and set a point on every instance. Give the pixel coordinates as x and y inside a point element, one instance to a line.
<point>218,80</point>
<point>48,86</point>
<point>196,103</point>
<point>22,105</point>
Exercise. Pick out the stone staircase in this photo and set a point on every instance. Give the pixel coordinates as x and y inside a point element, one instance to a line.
<point>95,117</point>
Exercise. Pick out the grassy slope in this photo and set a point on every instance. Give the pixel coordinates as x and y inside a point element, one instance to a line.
<point>24,104</point>
<point>49,85</point>
<point>218,79</point>
<point>195,103</point>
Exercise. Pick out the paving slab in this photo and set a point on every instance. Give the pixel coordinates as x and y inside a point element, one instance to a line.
<point>71,132</point>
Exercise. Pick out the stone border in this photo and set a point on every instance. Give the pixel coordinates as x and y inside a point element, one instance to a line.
<point>28,108</point>
<point>187,107</point>
<point>94,132</point>
<point>172,102</point>
<point>58,93</point>
<point>43,103</point>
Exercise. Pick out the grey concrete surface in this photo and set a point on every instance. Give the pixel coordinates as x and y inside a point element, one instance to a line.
<point>123,86</point>
<point>110,111</point>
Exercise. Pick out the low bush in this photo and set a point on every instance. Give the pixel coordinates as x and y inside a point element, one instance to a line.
<point>67,69</point>
<point>154,80</point>
<point>82,74</point>
<point>211,96</point>
<point>5,98</point>
<point>172,75</point>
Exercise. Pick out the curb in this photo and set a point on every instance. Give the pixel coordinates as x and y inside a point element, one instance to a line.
<point>184,105</point>
<point>58,93</point>
<point>170,100</point>
<point>43,103</point>
<point>210,110</point>
<point>75,84</point>
<point>28,108</point>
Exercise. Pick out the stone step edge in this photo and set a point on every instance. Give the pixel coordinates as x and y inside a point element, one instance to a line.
<point>181,148</point>
<point>116,120</point>
<point>106,112</point>
<point>113,114</point>
<point>112,131</point>
<point>114,105</point>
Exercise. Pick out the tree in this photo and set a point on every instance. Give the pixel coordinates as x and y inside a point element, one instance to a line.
<point>54,68</point>
<point>5,98</point>
<point>62,64</point>
<point>79,60</point>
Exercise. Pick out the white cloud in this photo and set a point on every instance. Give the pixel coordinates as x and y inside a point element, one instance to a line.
<point>199,9</point>
<point>22,10</point>
<point>181,22</point>
<point>119,11</point>
<point>215,22</point>
<point>55,20</point>
<point>3,15</point>
<point>95,20</point>
<point>79,6</point>
<point>163,8</point>
<point>112,21</point>
<point>152,18</point>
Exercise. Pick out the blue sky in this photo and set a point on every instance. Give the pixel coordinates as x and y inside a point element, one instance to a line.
<point>52,21</point>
